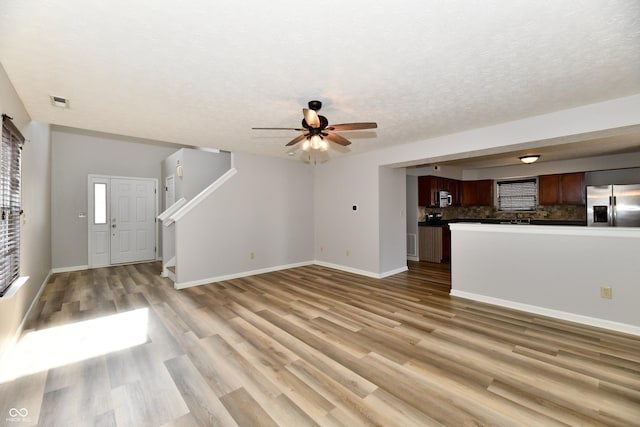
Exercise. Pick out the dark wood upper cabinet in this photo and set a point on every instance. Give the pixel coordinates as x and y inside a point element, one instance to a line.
<point>427,191</point>
<point>477,193</point>
<point>429,186</point>
<point>453,187</point>
<point>561,189</point>
<point>463,193</point>
<point>573,190</point>
<point>549,190</point>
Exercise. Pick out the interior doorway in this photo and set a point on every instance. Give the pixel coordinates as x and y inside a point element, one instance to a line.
<point>122,220</point>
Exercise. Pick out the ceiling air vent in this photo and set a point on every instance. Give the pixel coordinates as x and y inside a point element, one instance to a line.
<point>58,101</point>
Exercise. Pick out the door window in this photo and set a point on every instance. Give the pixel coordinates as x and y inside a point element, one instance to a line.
<point>99,203</point>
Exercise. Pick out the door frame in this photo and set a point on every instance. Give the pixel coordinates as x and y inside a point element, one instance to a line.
<point>99,178</point>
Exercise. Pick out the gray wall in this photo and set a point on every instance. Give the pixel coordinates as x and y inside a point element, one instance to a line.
<point>393,203</point>
<point>75,155</point>
<point>35,239</point>
<point>200,169</point>
<point>265,209</point>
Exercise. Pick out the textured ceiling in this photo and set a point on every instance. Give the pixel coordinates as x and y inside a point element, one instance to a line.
<point>204,72</point>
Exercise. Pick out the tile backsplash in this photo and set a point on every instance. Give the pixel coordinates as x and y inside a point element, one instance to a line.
<point>556,212</point>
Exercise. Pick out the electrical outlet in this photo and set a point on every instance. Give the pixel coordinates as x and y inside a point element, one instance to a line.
<point>251,255</point>
<point>347,252</point>
<point>605,292</point>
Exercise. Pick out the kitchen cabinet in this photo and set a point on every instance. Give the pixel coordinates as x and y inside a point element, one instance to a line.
<point>561,189</point>
<point>453,187</point>
<point>477,193</point>
<point>434,244</point>
<point>427,191</point>
<point>428,187</point>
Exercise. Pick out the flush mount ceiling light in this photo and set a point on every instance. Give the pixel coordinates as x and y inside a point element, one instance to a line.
<point>59,101</point>
<point>532,158</point>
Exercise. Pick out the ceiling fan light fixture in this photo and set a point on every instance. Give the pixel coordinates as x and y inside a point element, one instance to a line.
<point>316,130</point>
<point>316,142</point>
<point>528,159</point>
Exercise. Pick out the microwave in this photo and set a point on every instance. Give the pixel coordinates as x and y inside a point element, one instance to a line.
<point>444,199</point>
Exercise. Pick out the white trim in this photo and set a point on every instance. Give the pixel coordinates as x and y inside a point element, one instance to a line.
<point>91,181</point>
<point>165,271</point>
<point>563,315</point>
<point>72,268</point>
<point>413,258</point>
<point>164,216</point>
<point>16,336</point>
<point>348,269</point>
<point>13,288</point>
<point>393,272</point>
<point>184,285</point>
<point>86,267</point>
<point>564,230</point>
<point>287,266</point>
<point>361,272</point>
<point>108,178</point>
<point>203,195</point>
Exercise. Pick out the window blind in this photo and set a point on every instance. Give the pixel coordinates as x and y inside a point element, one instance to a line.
<point>10,204</point>
<point>517,195</point>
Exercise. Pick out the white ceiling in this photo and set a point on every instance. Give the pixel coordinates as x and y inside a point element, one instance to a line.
<point>204,72</point>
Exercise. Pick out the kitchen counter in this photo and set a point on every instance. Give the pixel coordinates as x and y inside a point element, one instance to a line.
<point>442,223</point>
<point>432,223</point>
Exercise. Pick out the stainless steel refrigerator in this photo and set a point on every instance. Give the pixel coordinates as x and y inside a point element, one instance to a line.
<point>613,205</point>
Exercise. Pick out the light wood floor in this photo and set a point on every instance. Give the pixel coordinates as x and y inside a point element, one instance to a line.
<point>315,346</point>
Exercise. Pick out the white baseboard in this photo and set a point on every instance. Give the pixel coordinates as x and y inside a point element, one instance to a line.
<point>361,272</point>
<point>413,258</point>
<point>184,285</point>
<point>392,272</point>
<point>347,269</point>
<point>68,269</point>
<point>562,315</point>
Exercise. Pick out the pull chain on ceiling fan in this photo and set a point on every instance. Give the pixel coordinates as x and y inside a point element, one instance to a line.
<point>316,130</point>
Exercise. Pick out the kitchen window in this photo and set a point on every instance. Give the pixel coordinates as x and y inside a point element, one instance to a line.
<point>10,204</point>
<point>517,195</point>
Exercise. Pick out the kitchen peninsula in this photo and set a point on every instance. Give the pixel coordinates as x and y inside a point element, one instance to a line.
<point>554,271</point>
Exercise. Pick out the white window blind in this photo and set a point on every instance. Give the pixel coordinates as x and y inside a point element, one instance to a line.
<point>517,195</point>
<point>10,204</point>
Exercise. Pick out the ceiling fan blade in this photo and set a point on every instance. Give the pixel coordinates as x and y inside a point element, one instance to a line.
<point>298,129</point>
<point>334,137</point>
<point>311,117</point>
<point>295,140</point>
<point>353,126</point>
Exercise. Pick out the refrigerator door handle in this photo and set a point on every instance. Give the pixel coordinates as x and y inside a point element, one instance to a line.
<point>612,203</point>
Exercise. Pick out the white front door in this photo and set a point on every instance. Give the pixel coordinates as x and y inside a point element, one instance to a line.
<point>132,220</point>
<point>122,229</point>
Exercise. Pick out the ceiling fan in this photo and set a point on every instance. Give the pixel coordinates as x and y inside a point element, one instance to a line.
<point>317,131</point>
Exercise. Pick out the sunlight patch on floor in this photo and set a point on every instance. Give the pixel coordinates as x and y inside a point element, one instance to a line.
<point>49,348</point>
